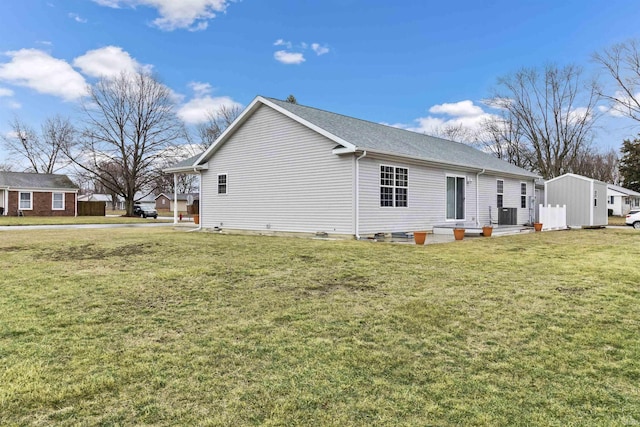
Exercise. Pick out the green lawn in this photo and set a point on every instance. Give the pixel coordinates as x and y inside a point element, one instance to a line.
<point>617,220</point>
<point>65,220</point>
<point>157,327</point>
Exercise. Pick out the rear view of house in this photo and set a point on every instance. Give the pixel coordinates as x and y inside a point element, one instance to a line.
<point>288,167</point>
<point>35,194</point>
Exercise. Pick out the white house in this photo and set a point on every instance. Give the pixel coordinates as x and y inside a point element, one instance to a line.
<point>286,167</point>
<point>621,200</point>
<point>584,197</point>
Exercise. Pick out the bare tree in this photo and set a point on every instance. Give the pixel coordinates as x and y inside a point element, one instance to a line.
<point>504,139</point>
<point>130,122</point>
<point>6,167</point>
<point>622,64</point>
<point>458,133</point>
<point>552,113</point>
<point>601,166</point>
<point>44,151</point>
<point>217,122</point>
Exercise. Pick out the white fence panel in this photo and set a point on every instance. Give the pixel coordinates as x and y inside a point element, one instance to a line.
<point>553,217</point>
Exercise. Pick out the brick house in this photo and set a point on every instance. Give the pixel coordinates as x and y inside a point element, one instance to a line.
<point>37,194</point>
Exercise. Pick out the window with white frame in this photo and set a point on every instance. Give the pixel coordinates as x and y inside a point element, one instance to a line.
<point>222,183</point>
<point>394,186</point>
<point>25,201</point>
<point>57,201</point>
<point>610,200</point>
<point>500,193</point>
<point>523,195</point>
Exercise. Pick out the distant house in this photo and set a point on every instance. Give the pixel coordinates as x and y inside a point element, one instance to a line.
<point>585,198</point>
<point>286,167</point>
<point>35,194</point>
<point>166,201</point>
<point>97,197</point>
<point>621,200</point>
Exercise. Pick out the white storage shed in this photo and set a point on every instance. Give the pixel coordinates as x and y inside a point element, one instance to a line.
<point>585,198</point>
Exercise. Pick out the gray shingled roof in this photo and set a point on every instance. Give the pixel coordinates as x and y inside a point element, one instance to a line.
<point>623,190</point>
<point>377,137</point>
<point>24,180</point>
<point>186,163</point>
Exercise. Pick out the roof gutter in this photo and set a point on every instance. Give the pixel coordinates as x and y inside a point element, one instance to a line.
<point>442,164</point>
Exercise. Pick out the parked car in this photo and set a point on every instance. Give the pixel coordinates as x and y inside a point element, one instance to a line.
<point>145,211</point>
<point>633,219</point>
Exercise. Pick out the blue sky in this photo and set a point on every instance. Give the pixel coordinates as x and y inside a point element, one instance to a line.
<point>417,64</point>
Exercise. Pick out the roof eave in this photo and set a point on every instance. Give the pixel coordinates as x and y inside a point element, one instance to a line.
<point>530,175</point>
<point>187,169</point>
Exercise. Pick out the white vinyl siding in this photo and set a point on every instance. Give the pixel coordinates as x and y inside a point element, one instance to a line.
<point>284,177</point>
<point>426,204</point>
<point>511,197</point>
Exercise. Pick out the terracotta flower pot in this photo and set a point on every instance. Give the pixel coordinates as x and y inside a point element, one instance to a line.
<point>537,226</point>
<point>196,218</point>
<point>420,237</point>
<point>458,233</point>
<point>487,230</point>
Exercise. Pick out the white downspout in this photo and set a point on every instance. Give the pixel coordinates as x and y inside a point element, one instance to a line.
<point>175,199</point>
<point>478,197</point>
<point>357,210</point>
<point>199,199</point>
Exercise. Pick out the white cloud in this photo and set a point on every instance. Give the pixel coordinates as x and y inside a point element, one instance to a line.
<point>464,114</point>
<point>319,50</point>
<point>281,42</point>
<point>108,61</point>
<point>200,89</point>
<point>202,105</point>
<point>38,70</point>
<point>580,114</point>
<point>77,18</point>
<point>5,92</point>
<point>462,108</point>
<point>176,14</point>
<point>289,57</point>
<point>14,105</point>
<point>45,42</point>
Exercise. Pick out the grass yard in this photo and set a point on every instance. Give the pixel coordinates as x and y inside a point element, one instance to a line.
<point>617,220</point>
<point>157,327</point>
<point>66,220</point>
